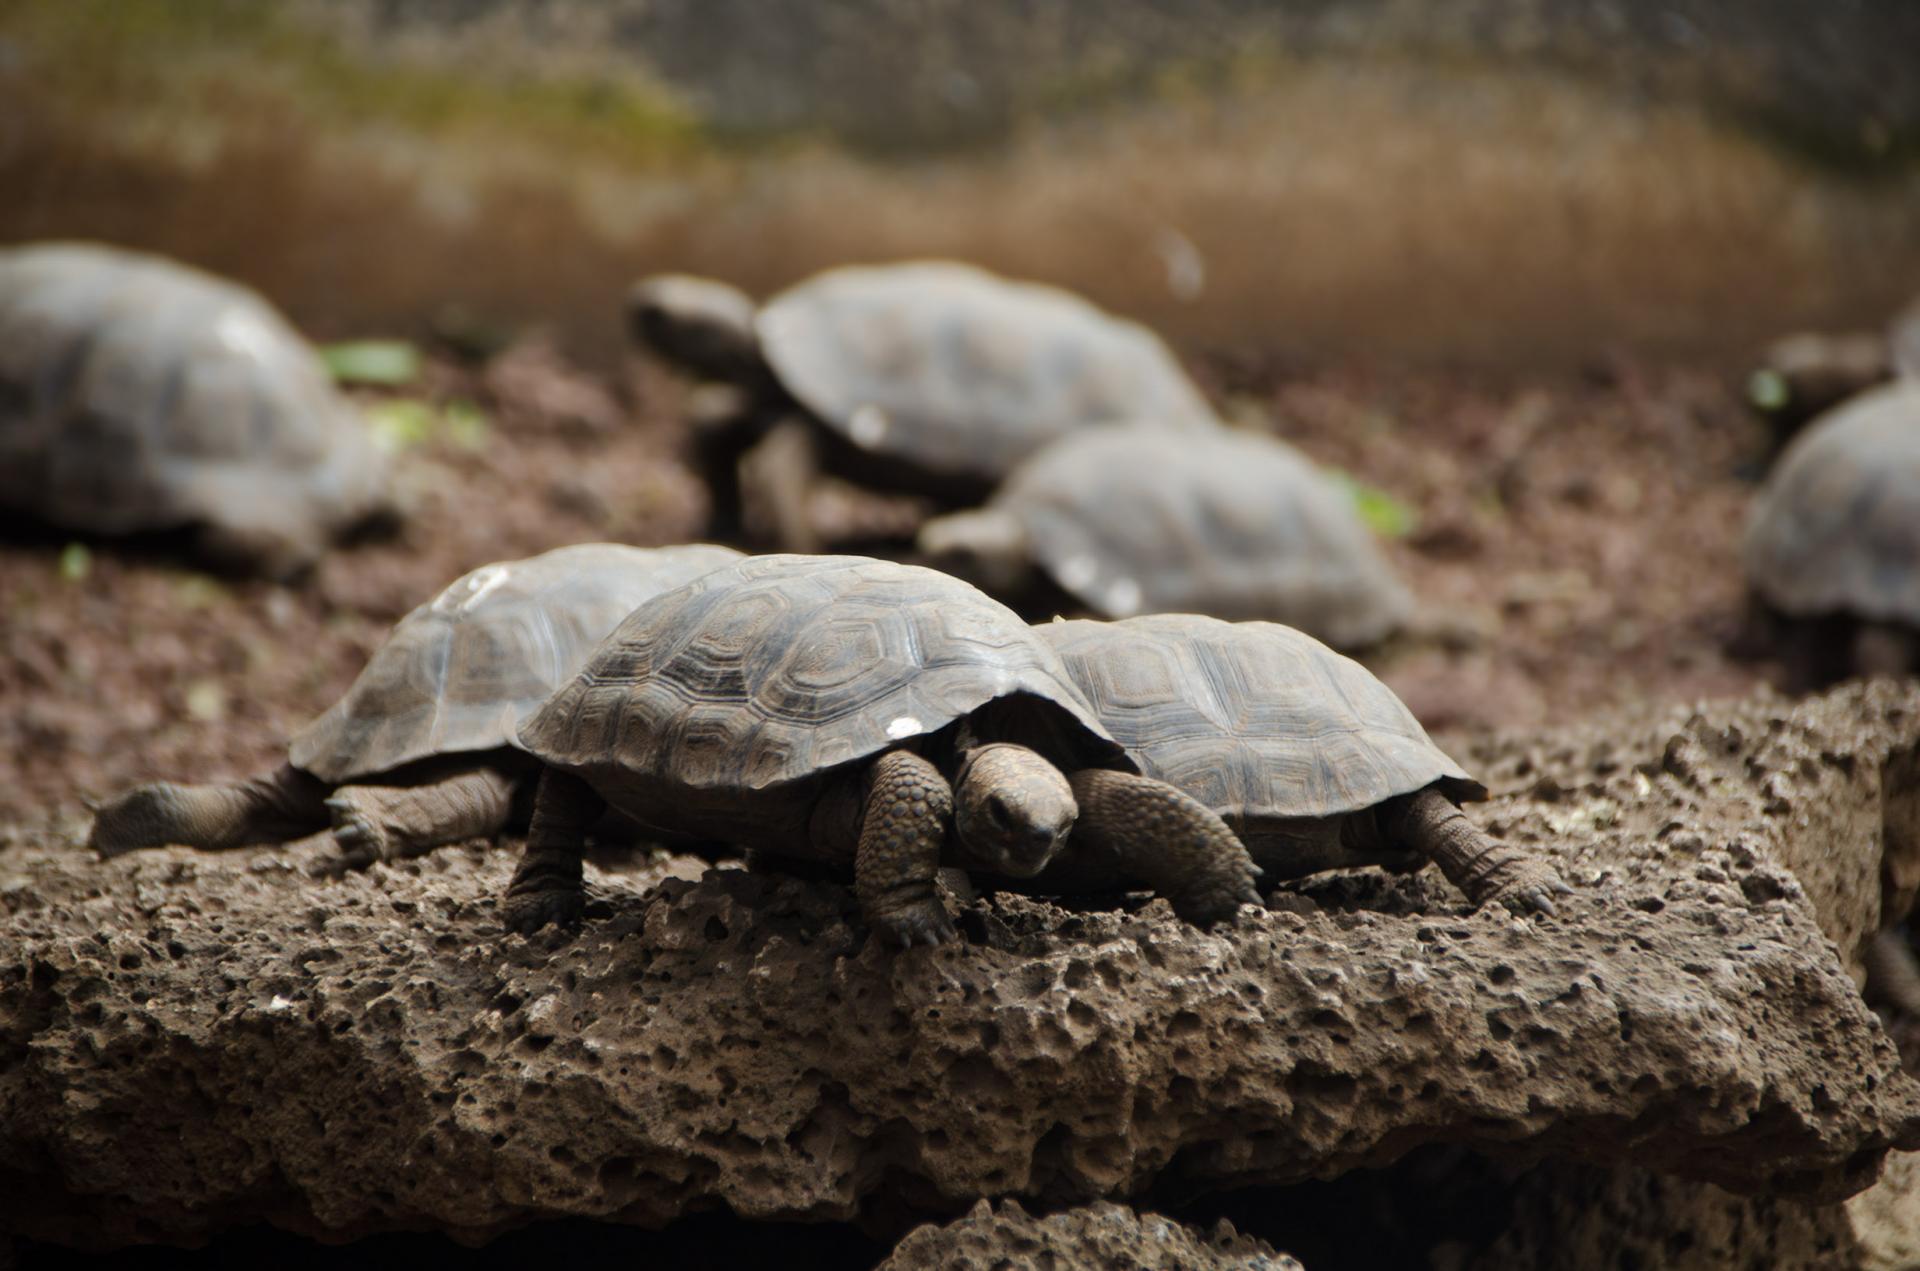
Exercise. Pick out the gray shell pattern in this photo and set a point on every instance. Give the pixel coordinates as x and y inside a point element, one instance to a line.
<point>136,393</point>
<point>461,671</point>
<point>737,690</point>
<point>1132,520</point>
<point>1254,719</point>
<point>961,372</point>
<point>1836,527</point>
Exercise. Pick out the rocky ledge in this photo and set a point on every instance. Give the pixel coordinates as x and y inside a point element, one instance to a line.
<point>189,1042</point>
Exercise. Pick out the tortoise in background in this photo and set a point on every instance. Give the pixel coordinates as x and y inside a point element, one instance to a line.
<point>930,377</point>
<point>1803,375</point>
<point>877,717</point>
<point>1832,548</point>
<point>137,394</point>
<point>421,750</point>
<point>1312,761</point>
<point>1134,519</point>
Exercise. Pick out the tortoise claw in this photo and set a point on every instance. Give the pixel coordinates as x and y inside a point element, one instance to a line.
<point>926,924</point>
<point>531,911</point>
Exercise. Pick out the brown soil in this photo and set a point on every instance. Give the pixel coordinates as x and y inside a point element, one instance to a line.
<point>1574,540</point>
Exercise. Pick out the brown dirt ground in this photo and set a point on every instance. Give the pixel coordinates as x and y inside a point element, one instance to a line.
<point>1574,540</point>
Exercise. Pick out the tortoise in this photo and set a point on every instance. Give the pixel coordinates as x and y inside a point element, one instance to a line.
<point>1312,761</point>
<point>1133,519</point>
<point>421,750</point>
<point>876,717</point>
<point>137,394</point>
<point>930,377</point>
<point>1832,548</point>
<point>1804,375</point>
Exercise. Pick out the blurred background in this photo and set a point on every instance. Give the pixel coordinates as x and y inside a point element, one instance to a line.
<point>1511,182</point>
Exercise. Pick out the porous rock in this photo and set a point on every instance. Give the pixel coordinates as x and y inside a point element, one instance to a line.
<point>192,1041</point>
<point>1098,1235</point>
<point>1828,787</point>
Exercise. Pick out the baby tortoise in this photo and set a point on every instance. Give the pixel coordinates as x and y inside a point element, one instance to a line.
<point>421,750</point>
<point>137,394</point>
<point>1134,519</point>
<point>1806,374</point>
<point>930,377</point>
<point>1833,541</point>
<point>1311,760</point>
<point>877,717</point>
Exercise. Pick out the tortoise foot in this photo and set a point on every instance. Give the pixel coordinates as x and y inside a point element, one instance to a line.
<point>530,911</point>
<point>146,816</point>
<point>359,837</point>
<point>926,924</point>
<point>1210,906</point>
<point>1527,887</point>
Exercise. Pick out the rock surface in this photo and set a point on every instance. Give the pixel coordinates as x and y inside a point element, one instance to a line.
<point>1829,787</point>
<point>193,1041</point>
<point>1098,1235</point>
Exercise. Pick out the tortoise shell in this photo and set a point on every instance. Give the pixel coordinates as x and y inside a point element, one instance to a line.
<point>720,708</point>
<point>1134,520</point>
<point>962,373</point>
<point>1256,720</point>
<point>138,394</point>
<point>1836,527</point>
<point>461,671</point>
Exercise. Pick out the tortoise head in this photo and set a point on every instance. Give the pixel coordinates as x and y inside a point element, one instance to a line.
<point>702,326</point>
<point>987,546</point>
<point>1012,810</point>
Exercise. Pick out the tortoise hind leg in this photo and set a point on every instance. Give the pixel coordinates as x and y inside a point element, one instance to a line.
<point>549,886</point>
<point>449,804</point>
<point>285,804</point>
<point>1165,837</point>
<point>1474,861</point>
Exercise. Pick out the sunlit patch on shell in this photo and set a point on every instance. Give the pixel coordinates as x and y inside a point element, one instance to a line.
<point>868,425</point>
<point>1123,598</point>
<point>1077,572</point>
<point>905,726</point>
<point>472,589</point>
<point>240,330</point>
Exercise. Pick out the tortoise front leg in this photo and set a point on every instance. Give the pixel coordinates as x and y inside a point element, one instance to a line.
<point>1166,838</point>
<point>1474,861</point>
<point>776,479</point>
<point>388,823</point>
<point>897,863</point>
<point>549,886</point>
<point>284,804</point>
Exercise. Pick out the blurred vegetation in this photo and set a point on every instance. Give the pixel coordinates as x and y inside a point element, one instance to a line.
<point>219,56</point>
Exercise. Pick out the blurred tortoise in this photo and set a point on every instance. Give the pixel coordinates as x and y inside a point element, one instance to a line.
<point>1833,540</point>
<point>876,717</point>
<point>421,749</point>
<point>137,394</point>
<point>1313,762</point>
<point>931,377</point>
<point>1805,374</point>
<point>1127,520</point>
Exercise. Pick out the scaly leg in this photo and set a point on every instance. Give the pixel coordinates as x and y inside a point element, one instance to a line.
<point>388,823</point>
<point>897,864</point>
<point>550,885</point>
<point>1475,862</point>
<point>1166,838</point>
<point>284,804</point>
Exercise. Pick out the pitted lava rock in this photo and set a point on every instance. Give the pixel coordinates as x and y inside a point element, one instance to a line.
<point>193,1041</point>
<point>1102,1234</point>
